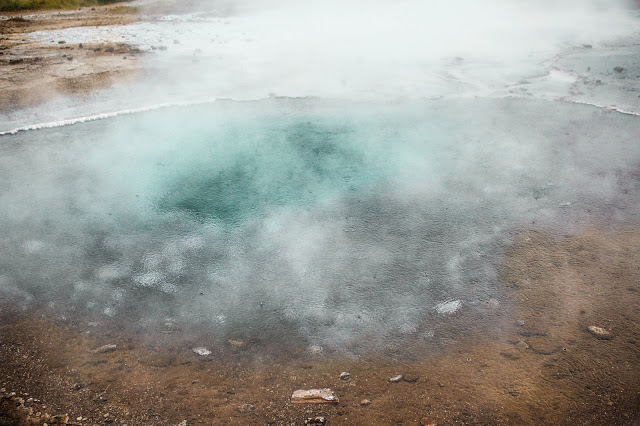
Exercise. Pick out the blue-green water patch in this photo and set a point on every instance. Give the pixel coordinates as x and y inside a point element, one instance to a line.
<point>243,171</point>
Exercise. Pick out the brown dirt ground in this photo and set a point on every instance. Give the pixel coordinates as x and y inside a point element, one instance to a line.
<point>544,368</point>
<point>32,73</point>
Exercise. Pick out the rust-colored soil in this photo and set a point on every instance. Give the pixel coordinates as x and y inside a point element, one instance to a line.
<point>544,368</point>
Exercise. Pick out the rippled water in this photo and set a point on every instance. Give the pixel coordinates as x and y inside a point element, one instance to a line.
<point>304,220</point>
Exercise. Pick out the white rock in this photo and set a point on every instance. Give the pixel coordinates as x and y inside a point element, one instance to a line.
<point>202,351</point>
<point>599,332</point>
<point>314,396</point>
<point>448,307</point>
<point>396,379</point>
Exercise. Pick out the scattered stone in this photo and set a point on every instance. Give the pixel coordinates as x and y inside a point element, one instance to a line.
<point>345,376</point>
<point>314,396</point>
<point>587,46</point>
<point>62,42</point>
<point>109,49</point>
<point>69,58</point>
<point>448,307</point>
<point>244,408</point>
<point>77,387</point>
<point>202,351</point>
<point>80,46</point>
<point>79,419</point>
<point>599,332</point>
<point>236,343</point>
<point>182,423</point>
<point>425,421</point>
<point>618,69</point>
<point>396,379</point>
<point>315,349</point>
<point>318,420</point>
<point>105,349</point>
<point>365,402</point>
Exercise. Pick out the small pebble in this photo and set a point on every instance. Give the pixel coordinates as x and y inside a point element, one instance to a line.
<point>236,343</point>
<point>202,351</point>
<point>599,332</point>
<point>105,349</point>
<point>396,379</point>
<point>314,396</point>
<point>345,376</point>
<point>365,402</point>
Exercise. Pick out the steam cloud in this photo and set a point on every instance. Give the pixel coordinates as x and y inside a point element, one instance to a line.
<point>322,220</point>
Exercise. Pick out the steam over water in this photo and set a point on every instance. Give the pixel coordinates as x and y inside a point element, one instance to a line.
<point>318,221</point>
<point>365,214</point>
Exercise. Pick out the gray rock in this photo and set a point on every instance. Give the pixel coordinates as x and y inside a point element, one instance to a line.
<point>105,349</point>
<point>345,376</point>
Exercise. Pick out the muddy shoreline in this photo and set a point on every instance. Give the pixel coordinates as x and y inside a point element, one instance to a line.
<point>544,368</point>
<point>33,73</point>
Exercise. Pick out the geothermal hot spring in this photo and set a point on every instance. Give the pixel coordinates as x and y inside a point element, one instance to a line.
<point>451,189</point>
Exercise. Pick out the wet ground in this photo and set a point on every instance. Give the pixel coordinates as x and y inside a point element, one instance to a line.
<point>33,72</point>
<point>543,367</point>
